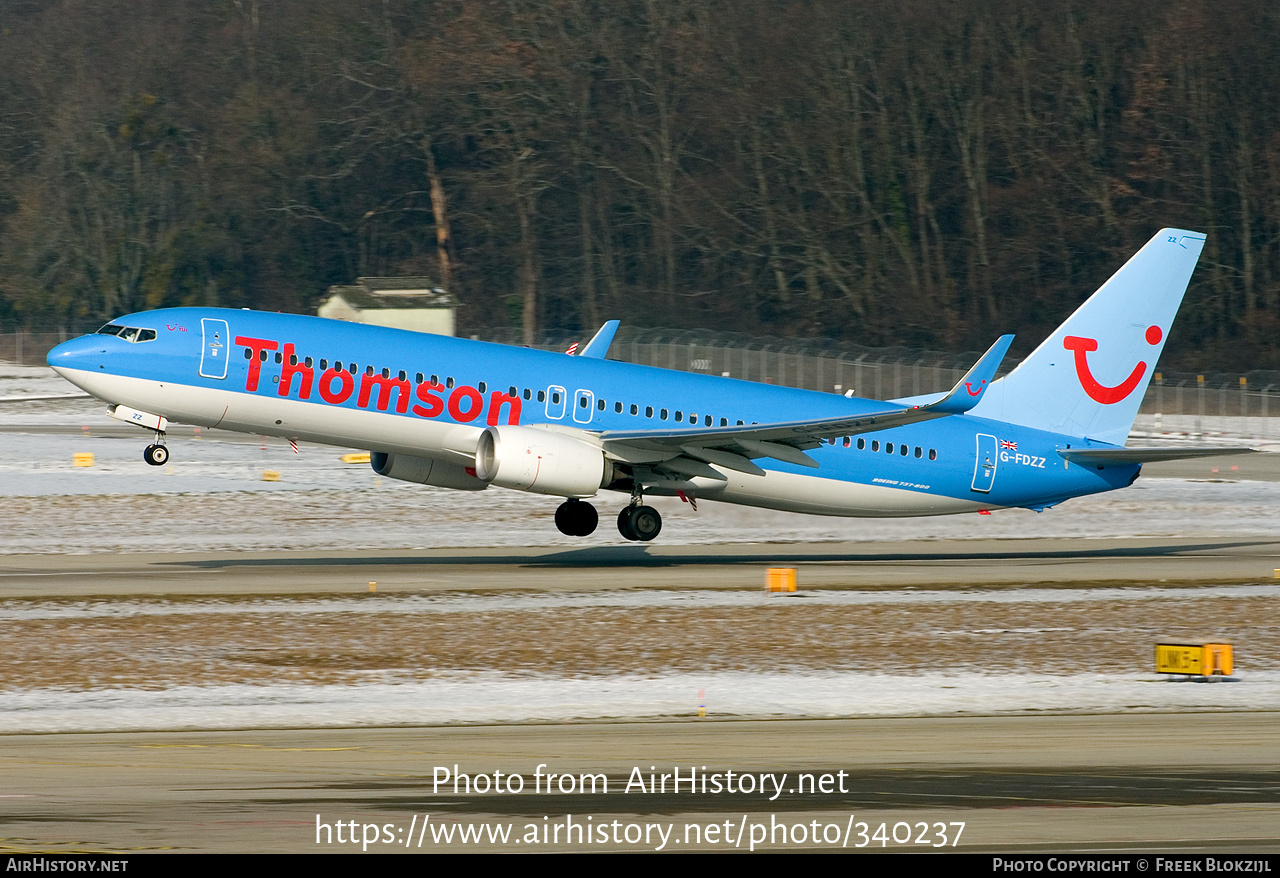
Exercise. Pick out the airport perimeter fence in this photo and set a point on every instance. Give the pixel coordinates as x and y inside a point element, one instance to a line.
<point>1245,405</point>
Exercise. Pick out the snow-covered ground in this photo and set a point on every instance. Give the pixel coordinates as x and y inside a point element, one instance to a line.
<point>493,697</point>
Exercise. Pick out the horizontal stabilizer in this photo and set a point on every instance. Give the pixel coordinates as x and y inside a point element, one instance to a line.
<point>1130,456</point>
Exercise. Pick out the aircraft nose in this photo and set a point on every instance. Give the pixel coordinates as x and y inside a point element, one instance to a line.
<point>78,354</point>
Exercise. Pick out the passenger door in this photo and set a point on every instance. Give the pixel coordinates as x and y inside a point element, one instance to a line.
<point>984,468</point>
<point>213,355</point>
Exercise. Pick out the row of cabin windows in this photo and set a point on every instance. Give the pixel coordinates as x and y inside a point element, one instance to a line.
<point>900,448</point>
<point>527,393</point>
<point>354,369</point>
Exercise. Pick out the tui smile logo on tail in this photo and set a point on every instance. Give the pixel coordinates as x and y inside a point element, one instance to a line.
<point>1098,391</point>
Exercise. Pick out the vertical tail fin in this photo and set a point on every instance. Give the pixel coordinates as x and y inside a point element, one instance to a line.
<point>1089,377</point>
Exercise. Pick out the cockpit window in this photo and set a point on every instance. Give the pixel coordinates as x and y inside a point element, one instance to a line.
<point>128,333</point>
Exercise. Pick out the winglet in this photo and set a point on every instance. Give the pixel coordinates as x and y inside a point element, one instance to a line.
<point>599,344</point>
<point>970,389</point>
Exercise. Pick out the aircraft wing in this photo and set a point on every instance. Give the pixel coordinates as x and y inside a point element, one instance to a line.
<point>689,451</point>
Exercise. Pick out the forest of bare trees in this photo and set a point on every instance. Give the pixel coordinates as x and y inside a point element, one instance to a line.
<point>890,173</point>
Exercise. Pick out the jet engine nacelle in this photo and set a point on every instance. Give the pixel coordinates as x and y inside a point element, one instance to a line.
<point>542,462</point>
<point>425,471</point>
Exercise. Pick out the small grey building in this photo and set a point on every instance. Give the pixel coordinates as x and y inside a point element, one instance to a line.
<point>402,302</point>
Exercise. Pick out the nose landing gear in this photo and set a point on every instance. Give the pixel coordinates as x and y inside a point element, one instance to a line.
<point>156,454</point>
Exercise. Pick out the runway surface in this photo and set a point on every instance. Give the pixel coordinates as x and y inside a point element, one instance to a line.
<point>1201,782</point>
<point>936,564</point>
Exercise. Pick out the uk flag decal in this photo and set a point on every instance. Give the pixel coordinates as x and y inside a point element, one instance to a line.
<point>1006,444</point>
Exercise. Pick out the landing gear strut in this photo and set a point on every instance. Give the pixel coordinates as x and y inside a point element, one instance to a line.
<point>575,518</point>
<point>637,522</point>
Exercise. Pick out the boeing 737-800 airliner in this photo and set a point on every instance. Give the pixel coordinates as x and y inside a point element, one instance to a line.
<point>471,415</point>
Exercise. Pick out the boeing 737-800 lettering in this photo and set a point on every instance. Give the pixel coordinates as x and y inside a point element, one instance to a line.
<point>470,415</point>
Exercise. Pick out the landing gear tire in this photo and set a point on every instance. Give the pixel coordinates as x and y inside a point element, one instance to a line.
<point>639,523</point>
<point>576,519</point>
<point>624,524</point>
<point>156,455</point>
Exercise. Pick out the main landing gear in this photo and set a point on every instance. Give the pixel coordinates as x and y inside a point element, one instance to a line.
<point>639,523</point>
<point>635,522</point>
<point>576,519</point>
